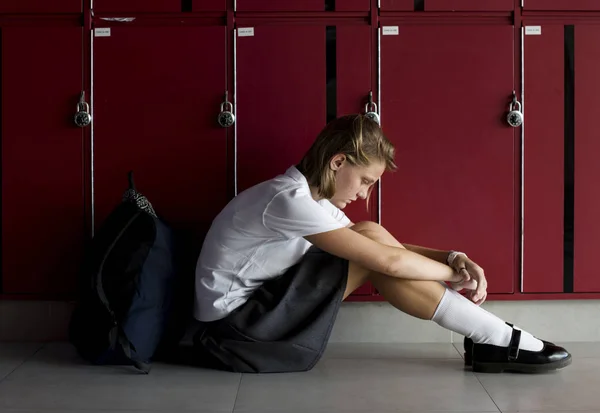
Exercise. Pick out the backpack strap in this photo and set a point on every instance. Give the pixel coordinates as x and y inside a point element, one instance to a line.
<point>116,334</point>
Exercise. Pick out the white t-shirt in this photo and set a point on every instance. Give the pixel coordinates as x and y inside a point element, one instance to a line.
<point>257,237</point>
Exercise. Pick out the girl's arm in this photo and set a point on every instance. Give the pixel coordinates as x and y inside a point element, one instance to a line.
<point>437,255</point>
<point>396,262</point>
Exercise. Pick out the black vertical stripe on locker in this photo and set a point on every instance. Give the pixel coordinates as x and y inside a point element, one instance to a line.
<point>186,6</point>
<point>419,5</point>
<point>331,72</point>
<point>329,5</point>
<point>569,199</point>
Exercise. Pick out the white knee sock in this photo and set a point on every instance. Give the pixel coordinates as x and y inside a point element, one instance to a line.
<point>462,316</point>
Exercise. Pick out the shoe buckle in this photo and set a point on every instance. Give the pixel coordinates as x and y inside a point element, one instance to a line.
<point>513,347</point>
<point>513,353</point>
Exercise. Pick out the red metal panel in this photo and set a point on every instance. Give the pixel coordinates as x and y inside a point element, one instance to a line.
<point>120,6</point>
<point>444,100</point>
<point>397,5</point>
<point>559,5</point>
<point>469,5</point>
<point>281,106</point>
<point>42,160</point>
<point>212,5</point>
<point>352,5</point>
<point>587,167</point>
<point>544,161</point>
<point>40,6</point>
<point>158,94</point>
<point>301,5</point>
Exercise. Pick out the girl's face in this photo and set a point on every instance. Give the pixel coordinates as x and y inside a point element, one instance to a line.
<point>353,182</point>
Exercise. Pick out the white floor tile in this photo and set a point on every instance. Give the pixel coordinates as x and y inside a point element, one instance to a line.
<point>367,385</point>
<point>573,388</point>
<point>56,379</point>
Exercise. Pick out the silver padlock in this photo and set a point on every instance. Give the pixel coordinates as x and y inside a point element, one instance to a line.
<point>226,117</point>
<point>82,116</point>
<point>371,112</point>
<point>515,116</point>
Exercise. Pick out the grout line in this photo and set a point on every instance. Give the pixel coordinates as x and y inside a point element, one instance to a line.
<point>460,353</point>
<point>237,393</point>
<point>487,392</point>
<point>25,360</point>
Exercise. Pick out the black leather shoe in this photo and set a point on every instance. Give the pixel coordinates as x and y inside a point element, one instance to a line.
<point>487,358</point>
<point>468,346</point>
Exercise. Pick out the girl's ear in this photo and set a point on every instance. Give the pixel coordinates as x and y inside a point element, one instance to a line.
<point>337,161</point>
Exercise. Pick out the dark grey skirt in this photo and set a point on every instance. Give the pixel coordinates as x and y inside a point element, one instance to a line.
<point>284,326</point>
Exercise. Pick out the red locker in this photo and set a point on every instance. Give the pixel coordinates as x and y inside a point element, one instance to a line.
<point>283,105</point>
<point>158,92</point>
<point>560,5</point>
<point>543,218</point>
<point>42,160</point>
<point>302,5</point>
<point>143,6</point>
<point>587,167</point>
<point>445,96</point>
<point>469,5</point>
<point>40,6</point>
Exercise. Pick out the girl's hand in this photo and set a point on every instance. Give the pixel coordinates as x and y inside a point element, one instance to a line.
<point>473,279</point>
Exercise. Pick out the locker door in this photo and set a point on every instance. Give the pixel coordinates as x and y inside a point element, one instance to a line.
<point>445,95</point>
<point>281,106</point>
<point>561,168</point>
<point>157,94</point>
<point>586,107</point>
<point>42,159</point>
<point>303,5</point>
<point>40,6</point>
<point>560,5</point>
<point>544,155</point>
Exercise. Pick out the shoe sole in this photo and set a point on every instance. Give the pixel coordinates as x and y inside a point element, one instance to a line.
<point>520,367</point>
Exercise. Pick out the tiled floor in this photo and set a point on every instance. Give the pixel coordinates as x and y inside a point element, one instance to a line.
<point>350,378</point>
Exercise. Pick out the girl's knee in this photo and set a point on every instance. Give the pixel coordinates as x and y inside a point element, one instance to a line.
<point>367,226</point>
<point>377,233</point>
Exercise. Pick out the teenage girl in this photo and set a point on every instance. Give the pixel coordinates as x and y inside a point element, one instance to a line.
<point>281,257</point>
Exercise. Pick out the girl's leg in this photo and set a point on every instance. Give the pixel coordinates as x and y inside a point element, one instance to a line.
<point>431,300</point>
<point>417,298</point>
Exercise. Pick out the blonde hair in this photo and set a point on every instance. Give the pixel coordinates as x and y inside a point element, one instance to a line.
<point>357,137</point>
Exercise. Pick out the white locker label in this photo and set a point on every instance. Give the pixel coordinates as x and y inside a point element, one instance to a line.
<point>533,30</point>
<point>390,30</point>
<point>102,32</point>
<point>245,31</point>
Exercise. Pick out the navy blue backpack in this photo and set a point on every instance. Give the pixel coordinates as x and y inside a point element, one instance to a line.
<point>128,285</point>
